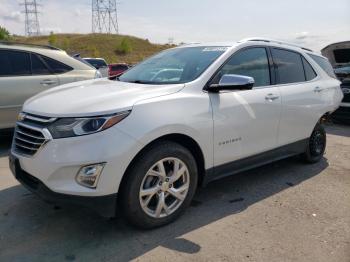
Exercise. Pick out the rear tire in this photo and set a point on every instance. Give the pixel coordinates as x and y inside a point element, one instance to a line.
<point>316,145</point>
<point>159,185</point>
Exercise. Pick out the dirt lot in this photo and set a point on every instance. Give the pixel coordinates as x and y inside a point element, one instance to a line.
<point>286,211</point>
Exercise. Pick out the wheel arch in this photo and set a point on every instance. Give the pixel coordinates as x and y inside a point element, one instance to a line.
<point>325,117</point>
<point>184,140</point>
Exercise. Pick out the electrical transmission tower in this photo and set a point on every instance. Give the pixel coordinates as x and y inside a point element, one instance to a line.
<point>31,12</point>
<point>104,16</point>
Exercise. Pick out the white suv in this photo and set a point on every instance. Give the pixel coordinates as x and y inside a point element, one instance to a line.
<point>145,143</point>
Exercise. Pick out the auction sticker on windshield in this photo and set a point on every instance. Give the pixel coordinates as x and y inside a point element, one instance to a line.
<point>215,49</point>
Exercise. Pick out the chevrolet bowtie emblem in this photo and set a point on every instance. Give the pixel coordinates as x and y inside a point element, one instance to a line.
<point>21,116</point>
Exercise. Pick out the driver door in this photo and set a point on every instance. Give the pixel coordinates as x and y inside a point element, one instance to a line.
<point>245,121</point>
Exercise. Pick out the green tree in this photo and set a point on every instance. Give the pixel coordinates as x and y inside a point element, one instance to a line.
<point>123,47</point>
<point>52,38</point>
<point>4,33</point>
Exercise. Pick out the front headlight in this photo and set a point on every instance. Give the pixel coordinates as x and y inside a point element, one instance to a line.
<point>68,127</point>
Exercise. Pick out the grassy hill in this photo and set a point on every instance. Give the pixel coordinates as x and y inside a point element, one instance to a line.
<point>114,48</point>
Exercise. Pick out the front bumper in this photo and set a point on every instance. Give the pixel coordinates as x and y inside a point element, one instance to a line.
<point>51,171</point>
<point>57,163</point>
<point>104,205</point>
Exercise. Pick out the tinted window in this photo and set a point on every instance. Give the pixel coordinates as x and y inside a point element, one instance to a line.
<point>55,66</point>
<point>38,67</point>
<point>252,62</point>
<point>324,64</point>
<point>119,67</point>
<point>289,65</point>
<point>97,63</point>
<point>14,63</point>
<point>309,71</point>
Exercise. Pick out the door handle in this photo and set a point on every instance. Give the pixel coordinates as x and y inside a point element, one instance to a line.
<point>317,89</point>
<point>271,97</point>
<point>48,82</point>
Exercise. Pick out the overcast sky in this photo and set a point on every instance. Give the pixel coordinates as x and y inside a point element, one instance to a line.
<point>312,23</point>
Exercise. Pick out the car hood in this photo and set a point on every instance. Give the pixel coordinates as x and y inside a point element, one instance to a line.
<point>93,97</point>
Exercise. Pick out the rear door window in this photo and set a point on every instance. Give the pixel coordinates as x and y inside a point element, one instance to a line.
<point>55,66</point>
<point>289,66</point>
<point>38,66</point>
<point>324,64</point>
<point>309,71</point>
<point>14,63</point>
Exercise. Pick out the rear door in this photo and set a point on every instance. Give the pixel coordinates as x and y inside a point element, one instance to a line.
<point>301,99</point>
<point>64,73</point>
<point>246,121</point>
<point>22,75</point>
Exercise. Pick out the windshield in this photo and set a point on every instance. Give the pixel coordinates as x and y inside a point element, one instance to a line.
<point>173,66</point>
<point>97,63</point>
<point>83,61</point>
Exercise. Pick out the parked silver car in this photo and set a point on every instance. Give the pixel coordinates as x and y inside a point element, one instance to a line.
<point>26,70</point>
<point>99,63</point>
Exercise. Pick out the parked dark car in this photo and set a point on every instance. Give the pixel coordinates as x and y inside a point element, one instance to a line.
<point>343,113</point>
<point>339,56</point>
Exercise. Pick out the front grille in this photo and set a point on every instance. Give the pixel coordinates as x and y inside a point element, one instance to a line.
<point>27,141</point>
<point>29,136</point>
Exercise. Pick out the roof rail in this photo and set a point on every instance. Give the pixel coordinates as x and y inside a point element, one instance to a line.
<point>30,45</point>
<point>269,40</point>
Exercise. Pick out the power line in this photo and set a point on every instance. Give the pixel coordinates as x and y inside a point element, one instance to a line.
<point>104,16</point>
<point>32,27</point>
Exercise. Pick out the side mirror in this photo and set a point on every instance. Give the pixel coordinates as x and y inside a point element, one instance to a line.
<point>233,82</point>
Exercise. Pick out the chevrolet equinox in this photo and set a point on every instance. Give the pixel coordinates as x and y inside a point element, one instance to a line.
<point>176,121</point>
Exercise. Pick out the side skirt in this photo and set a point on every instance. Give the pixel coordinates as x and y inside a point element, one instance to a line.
<point>244,164</point>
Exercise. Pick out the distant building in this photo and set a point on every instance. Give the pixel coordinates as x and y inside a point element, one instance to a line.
<point>337,53</point>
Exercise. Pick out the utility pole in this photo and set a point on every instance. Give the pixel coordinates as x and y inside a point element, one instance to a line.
<point>31,12</point>
<point>104,16</point>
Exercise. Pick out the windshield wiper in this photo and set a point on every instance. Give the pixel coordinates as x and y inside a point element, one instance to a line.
<point>140,82</point>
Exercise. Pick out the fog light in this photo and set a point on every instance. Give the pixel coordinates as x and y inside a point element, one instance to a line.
<point>88,175</point>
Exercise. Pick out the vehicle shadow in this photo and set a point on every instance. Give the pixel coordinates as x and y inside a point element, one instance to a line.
<point>338,130</point>
<point>5,144</point>
<point>53,233</point>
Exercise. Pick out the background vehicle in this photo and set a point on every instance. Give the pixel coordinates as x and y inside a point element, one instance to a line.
<point>116,69</point>
<point>146,143</point>
<point>339,56</point>
<point>26,70</point>
<point>100,64</point>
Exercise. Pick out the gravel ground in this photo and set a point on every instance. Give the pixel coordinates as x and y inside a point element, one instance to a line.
<point>285,211</point>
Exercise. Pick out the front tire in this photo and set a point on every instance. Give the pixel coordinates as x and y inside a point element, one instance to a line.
<point>316,145</point>
<point>159,185</point>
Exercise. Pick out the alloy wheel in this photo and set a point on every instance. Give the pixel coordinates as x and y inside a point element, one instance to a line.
<point>164,187</point>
